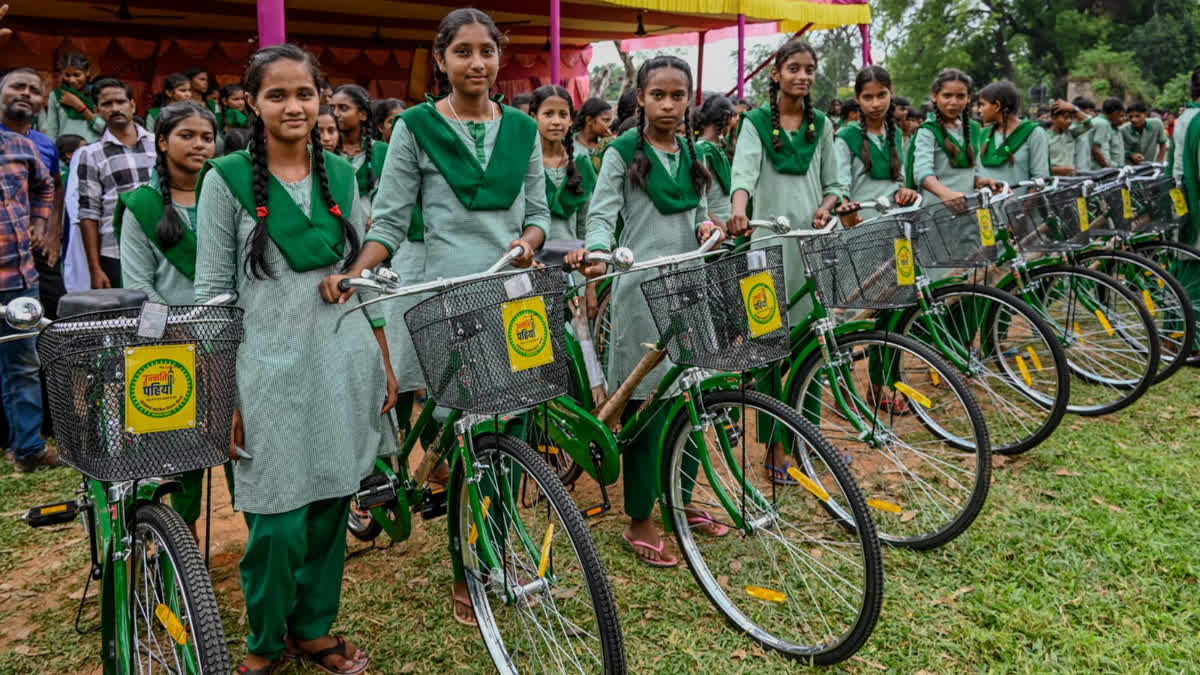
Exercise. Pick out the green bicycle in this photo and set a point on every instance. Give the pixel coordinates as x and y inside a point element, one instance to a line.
<point>537,586</point>
<point>800,570</point>
<point>139,391</point>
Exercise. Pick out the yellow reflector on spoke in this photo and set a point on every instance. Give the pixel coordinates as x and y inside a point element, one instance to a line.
<point>934,377</point>
<point>1176,335</point>
<point>171,623</point>
<point>473,535</point>
<point>808,483</point>
<point>1104,322</point>
<point>1037,363</point>
<point>1078,333</point>
<point>1024,371</point>
<point>765,594</point>
<point>548,450</point>
<point>545,561</point>
<point>913,394</point>
<point>1149,302</point>
<point>881,505</point>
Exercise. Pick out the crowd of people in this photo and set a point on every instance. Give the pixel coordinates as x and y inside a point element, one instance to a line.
<point>281,186</point>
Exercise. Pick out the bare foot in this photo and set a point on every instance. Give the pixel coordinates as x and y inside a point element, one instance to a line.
<point>462,605</point>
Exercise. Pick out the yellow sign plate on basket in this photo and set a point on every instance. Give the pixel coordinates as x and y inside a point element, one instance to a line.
<point>1126,204</point>
<point>527,333</point>
<point>1081,206</point>
<point>987,232</point>
<point>160,388</point>
<point>906,273</point>
<point>762,305</point>
<point>1179,201</point>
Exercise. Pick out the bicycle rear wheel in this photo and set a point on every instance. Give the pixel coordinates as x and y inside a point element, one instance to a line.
<point>916,441</point>
<point>803,573</point>
<point>1183,263</point>
<point>175,621</point>
<point>1111,343</point>
<point>1017,368</point>
<point>547,608</point>
<point>1162,295</point>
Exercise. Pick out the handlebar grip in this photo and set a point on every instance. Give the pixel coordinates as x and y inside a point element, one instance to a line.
<point>344,285</point>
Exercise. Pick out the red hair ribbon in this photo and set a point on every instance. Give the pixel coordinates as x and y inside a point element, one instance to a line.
<point>261,211</point>
<point>336,210</point>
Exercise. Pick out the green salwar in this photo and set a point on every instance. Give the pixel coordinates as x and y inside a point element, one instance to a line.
<point>291,573</point>
<point>188,502</point>
<point>639,467</point>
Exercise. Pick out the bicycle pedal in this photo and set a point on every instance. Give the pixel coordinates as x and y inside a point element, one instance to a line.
<point>51,514</point>
<point>375,491</point>
<point>595,510</point>
<point>433,503</point>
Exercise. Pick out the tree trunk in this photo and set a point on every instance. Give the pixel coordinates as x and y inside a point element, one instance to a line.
<point>630,70</point>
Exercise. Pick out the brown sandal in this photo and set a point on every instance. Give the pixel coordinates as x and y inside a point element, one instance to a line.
<point>317,658</point>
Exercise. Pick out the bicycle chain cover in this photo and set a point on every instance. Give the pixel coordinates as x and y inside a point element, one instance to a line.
<point>728,315</point>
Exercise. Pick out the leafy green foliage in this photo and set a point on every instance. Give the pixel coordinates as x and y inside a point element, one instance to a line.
<point>1175,92</point>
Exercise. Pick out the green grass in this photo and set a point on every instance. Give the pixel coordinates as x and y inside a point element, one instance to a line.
<point>1084,560</point>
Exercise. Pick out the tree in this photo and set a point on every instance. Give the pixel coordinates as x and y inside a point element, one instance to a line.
<point>1175,93</point>
<point>758,86</point>
<point>1112,73</point>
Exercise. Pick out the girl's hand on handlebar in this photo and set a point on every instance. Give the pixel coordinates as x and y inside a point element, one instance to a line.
<point>589,270</point>
<point>821,218</point>
<point>905,196</point>
<point>526,257</point>
<point>847,212</point>
<point>331,293</point>
<point>993,185</point>
<point>706,229</point>
<point>738,225</point>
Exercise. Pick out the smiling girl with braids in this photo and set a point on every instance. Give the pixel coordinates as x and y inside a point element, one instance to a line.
<point>462,185</point>
<point>869,153</point>
<point>156,227</point>
<point>569,179</point>
<point>1014,149</point>
<point>351,106</point>
<point>652,181</point>
<point>273,222</point>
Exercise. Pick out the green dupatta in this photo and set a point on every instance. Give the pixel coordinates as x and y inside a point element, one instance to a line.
<point>797,152</point>
<point>147,205</point>
<point>670,194</point>
<point>71,112</point>
<point>563,202</point>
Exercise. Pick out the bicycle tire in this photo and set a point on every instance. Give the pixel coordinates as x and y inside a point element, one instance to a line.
<point>200,619</point>
<point>602,325</point>
<point>1142,359</point>
<point>884,473</point>
<point>1044,383</point>
<point>488,449</point>
<point>1167,301</point>
<point>1183,262</point>
<point>848,508</point>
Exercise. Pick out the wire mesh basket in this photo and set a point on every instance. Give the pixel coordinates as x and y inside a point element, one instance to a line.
<point>729,315</point>
<point>127,407</point>
<point>1154,206</point>
<point>868,267</point>
<point>1110,214</point>
<point>493,346</point>
<point>957,233</point>
<point>1049,221</point>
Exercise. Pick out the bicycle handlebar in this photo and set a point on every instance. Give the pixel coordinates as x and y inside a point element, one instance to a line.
<point>26,315</point>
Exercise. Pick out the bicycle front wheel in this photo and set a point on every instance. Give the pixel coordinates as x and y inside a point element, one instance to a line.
<point>1182,262</point>
<point>1015,365</point>
<point>910,429</point>
<point>543,603</point>
<point>175,622</point>
<point>800,569</point>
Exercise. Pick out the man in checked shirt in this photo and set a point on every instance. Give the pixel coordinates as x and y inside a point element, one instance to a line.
<point>26,202</point>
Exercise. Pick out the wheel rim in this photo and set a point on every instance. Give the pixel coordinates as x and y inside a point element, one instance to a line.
<point>1185,267</point>
<point>919,471</point>
<point>160,608</point>
<point>528,623</point>
<point>796,579</point>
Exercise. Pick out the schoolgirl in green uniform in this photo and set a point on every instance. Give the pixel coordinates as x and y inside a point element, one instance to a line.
<point>1184,164</point>
<point>474,167</point>
<point>1013,149</point>
<point>653,181</point>
<point>176,87</point>
<point>156,228</point>
<point>593,125</point>
<point>569,179</point>
<point>273,223</point>
<point>941,158</point>
<point>383,113</point>
<point>327,130</point>
<point>69,108</point>
<point>351,106</point>
<point>869,153</point>
<point>233,107</point>
<point>713,121</point>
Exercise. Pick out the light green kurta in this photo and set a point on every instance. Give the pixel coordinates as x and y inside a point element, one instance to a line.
<point>458,241</point>
<point>1061,148</point>
<point>363,201</point>
<point>719,203</point>
<point>145,268</point>
<point>55,122</point>
<point>863,187</point>
<point>929,160</point>
<point>649,234</point>
<point>1103,135</point>
<point>309,398</point>
<point>1146,141</point>
<point>574,227</point>
<point>1030,161</point>
<point>1180,137</point>
<point>780,194</point>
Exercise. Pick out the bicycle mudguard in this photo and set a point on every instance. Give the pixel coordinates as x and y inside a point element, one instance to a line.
<point>571,427</point>
<point>154,490</point>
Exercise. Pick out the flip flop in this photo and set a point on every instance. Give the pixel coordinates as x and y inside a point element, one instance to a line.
<point>705,524</point>
<point>243,669</point>
<point>457,602</point>
<point>665,560</point>
<point>780,476</point>
<point>339,648</point>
